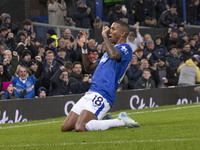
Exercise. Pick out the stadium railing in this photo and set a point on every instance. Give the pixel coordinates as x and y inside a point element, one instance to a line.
<point>41,29</point>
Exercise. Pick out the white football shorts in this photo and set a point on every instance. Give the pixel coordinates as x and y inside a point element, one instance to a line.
<point>93,102</point>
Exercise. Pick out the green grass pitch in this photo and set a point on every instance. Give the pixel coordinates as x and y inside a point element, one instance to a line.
<point>162,128</point>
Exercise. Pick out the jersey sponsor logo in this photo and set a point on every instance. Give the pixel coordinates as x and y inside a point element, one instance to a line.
<point>104,59</point>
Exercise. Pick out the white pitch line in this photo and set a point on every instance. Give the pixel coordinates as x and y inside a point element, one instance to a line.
<point>142,112</point>
<point>103,142</point>
<point>28,125</point>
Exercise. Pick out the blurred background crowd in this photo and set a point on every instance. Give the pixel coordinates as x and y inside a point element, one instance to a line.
<point>31,68</point>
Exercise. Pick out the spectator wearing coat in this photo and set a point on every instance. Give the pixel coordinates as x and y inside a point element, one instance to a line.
<point>60,84</point>
<point>55,12</point>
<point>8,91</point>
<point>145,82</point>
<point>133,73</point>
<point>169,18</point>
<point>81,15</point>
<point>173,59</point>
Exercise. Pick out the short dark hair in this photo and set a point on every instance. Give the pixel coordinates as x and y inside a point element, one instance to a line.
<point>146,69</point>
<point>75,63</point>
<point>124,27</point>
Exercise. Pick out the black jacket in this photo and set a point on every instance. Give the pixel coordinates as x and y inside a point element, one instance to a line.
<point>143,83</point>
<point>81,18</point>
<point>59,87</point>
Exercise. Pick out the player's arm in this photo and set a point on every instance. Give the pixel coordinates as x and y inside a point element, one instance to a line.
<point>88,65</point>
<point>112,52</point>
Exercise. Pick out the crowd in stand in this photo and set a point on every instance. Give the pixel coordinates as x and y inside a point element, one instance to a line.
<point>30,69</point>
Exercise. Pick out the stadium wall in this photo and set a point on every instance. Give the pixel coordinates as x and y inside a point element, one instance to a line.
<point>20,110</point>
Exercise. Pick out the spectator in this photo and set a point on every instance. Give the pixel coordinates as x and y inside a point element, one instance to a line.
<point>42,92</point>
<point>27,27</point>
<point>8,24</point>
<point>55,12</point>
<point>47,71</point>
<point>95,32</point>
<point>160,8</point>
<point>11,60</point>
<point>144,64</point>
<point>133,41</point>
<point>192,12</point>
<point>183,38</point>
<point>171,38</point>
<point>133,73</point>
<point>34,65</point>
<point>150,53</point>
<point>52,34</point>
<point>8,91</point>
<point>69,66</point>
<point>25,84</point>
<point>68,35</point>
<point>73,52</point>
<point>140,8</point>
<point>145,82</point>
<point>139,53</point>
<point>147,22</point>
<point>2,18</point>
<point>51,45</point>
<point>26,58</point>
<point>61,85</point>
<point>186,52</point>
<point>91,45</point>
<point>76,75</point>
<point>169,18</point>
<point>193,45</point>
<point>166,76</point>
<point>189,73</point>
<point>81,15</point>
<point>2,49</point>
<point>173,59</point>
<point>60,58</point>
<point>126,17</point>
<point>3,77</point>
<point>41,51</point>
<point>160,46</point>
<point>3,33</point>
<point>115,14</point>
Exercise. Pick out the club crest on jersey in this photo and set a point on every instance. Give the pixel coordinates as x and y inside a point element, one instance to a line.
<point>28,83</point>
<point>124,49</point>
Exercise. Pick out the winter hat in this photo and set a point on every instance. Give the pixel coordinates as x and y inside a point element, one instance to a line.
<point>50,40</point>
<point>183,34</point>
<point>162,59</point>
<point>150,41</point>
<point>91,55</point>
<point>51,32</point>
<point>41,89</point>
<point>5,85</point>
<point>79,2</point>
<point>32,62</point>
<point>25,53</point>
<point>7,16</point>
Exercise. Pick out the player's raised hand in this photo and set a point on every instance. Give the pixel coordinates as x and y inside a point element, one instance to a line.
<point>105,31</point>
<point>82,39</point>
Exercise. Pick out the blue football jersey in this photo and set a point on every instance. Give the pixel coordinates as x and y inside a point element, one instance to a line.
<point>109,73</point>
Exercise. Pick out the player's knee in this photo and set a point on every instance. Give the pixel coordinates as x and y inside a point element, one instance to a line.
<point>80,128</point>
<point>63,128</point>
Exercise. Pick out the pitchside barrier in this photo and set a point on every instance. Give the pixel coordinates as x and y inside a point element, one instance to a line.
<point>20,110</point>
